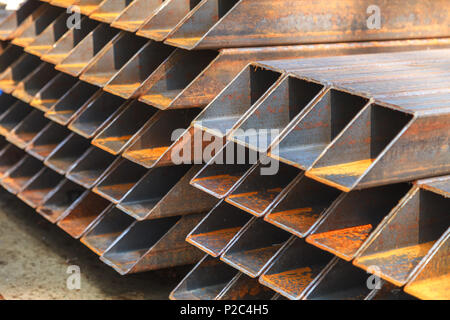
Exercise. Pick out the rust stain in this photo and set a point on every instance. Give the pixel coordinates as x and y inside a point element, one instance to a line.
<point>343,242</point>
<point>355,168</point>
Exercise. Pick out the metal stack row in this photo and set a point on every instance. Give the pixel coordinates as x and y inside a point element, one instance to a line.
<point>334,151</point>
<point>98,98</point>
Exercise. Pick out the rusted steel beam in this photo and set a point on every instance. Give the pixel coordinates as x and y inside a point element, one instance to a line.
<point>350,220</point>
<point>67,153</point>
<point>95,43</point>
<point>136,14</point>
<point>40,187</point>
<point>123,129</point>
<point>6,103</point>
<point>119,180</point>
<point>13,116</point>
<point>96,114</point>
<point>173,75</point>
<point>165,192</point>
<point>109,10</point>
<point>21,174</point>
<point>431,281</point>
<point>72,103</point>
<point>166,18</point>
<point>10,155</point>
<point>302,206</point>
<point>52,92</point>
<point>32,30</point>
<point>294,98</point>
<point>152,145</point>
<point>47,140</point>
<point>78,219</point>
<point>66,195</point>
<point>364,157</point>
<point>91,167</point>
<point>220,24</point>
<point>153,244</point>
<point>128,79</point>
<point>409,235</point>
<point>296,269</point>
<point>225,110</point>
<point>45,41</point>
<point>27,129</point>
<point>105,230</point>
<point>254,247</point>
<point>219,227</point>
<point>66,43</point>
<point>257,193</point>
<point>86,7</point>
<point>14,21</point>
<point>245,91</point>
<point>212,280</point>
<point>10,54</point>
<point>224,172</point>
<point>17,71</point>
<point>103,66</point>
<point>27,88</point>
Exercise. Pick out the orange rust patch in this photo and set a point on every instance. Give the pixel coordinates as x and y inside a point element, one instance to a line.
<point>292,281</point>
<point>395,265</point>
<point>151,154</point>
<point>355,168</point>
<point>343,242</point>
<point>437,288</point>
<point>213,241</point>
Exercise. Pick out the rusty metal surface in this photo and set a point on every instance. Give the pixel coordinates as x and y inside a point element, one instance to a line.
<point>240,23</point>
<point>28,87</point>
<point>106,63</point>
<point>124,128</point>
<point>420,223</point>
<point>67,42</point>
<point>106,229</point>
<point>119,180</point>
<point>166,18</point>
<point>95,43</point>
<point>352,218</point>
<point>67,194</point>
<point>109,10</point>
<point>72,103</point>
<point>40,187</point>
<point>54,31</point>
<point>257,193</point>
<point>171,196</point>
<point>47,140</point>
<point>431,280</point>
<point>52,92</point>
<point>29,34</point>
<point>362,157</point>
<point>91,167</point>
<point>255,247</point>
<point>136,14</point>
<point>10,26</point>
<point>219,227</point>
<point>67,153</point>
<point>17,71</point>
<point>213,280</point>
<point>153,143</point>
<point>153,244</point>
<point>297,269</point>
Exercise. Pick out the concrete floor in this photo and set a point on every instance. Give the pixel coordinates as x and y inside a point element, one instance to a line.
<point>35,255</point>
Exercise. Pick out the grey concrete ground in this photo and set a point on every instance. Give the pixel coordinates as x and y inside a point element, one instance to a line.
<point>35,255</point>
